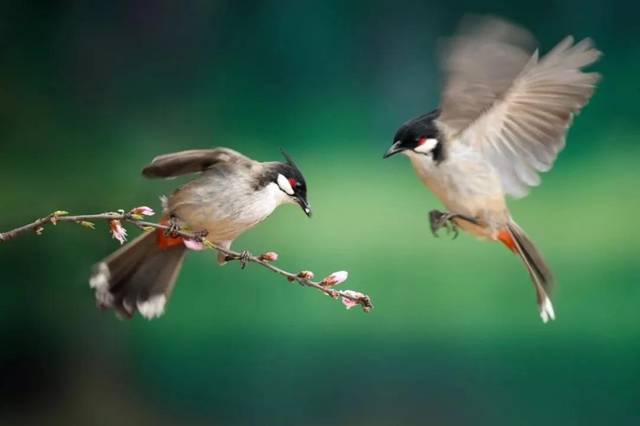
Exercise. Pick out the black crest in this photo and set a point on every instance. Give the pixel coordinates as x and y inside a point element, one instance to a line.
<point>288,169</point>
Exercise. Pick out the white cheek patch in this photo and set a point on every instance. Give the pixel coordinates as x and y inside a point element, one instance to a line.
<point>284,184</point>
<point>427,146</point>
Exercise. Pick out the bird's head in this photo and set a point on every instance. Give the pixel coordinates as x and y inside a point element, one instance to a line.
<point>419,136</point>
<point>290,181</point>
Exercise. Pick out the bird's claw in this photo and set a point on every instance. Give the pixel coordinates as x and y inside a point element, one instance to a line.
<point>439,220</point>
<point>244,258</point>
<point>200,235</point>
<point>173,229</point>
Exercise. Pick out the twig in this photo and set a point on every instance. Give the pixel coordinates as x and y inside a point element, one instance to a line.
<point>350,298</point>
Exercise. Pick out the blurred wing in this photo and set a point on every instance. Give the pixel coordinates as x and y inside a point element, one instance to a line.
<point>479,65</point>
<point>192,161</point>
<point>522,130</point>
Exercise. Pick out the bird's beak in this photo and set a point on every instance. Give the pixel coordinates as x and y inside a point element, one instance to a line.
<point>393,149</point>
<point>305,206</point>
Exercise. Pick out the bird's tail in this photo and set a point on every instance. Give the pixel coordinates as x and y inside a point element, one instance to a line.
<point>518,242</point>
<point>139,276</point>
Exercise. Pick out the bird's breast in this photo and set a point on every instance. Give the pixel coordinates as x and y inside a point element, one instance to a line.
<point>224,209</point>
<point>465,184</point>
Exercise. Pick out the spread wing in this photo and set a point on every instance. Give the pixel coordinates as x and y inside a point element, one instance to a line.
<point>510,105</point>
<point>193,161</point>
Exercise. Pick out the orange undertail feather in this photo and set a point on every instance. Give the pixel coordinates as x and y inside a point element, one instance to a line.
<point>165,241</point>
<point>506,238</point>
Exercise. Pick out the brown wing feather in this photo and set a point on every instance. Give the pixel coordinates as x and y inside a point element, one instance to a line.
<point>510,105</point>
<point>191,161</point>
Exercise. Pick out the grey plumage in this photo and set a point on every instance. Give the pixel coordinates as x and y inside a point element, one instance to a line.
<point>503,120</point>
<point>231,194</point>
<point>512,107</point>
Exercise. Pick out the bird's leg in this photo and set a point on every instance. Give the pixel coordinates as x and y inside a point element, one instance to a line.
<point>200,235</point>
<point>440,220</point>
<point>243,259</point>
<point>174,227</point>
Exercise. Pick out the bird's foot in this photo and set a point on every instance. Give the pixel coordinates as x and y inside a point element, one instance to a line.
<point>439,220</point>
<point>174,227</point>
<point>200,235</point>
<point>243,258</point>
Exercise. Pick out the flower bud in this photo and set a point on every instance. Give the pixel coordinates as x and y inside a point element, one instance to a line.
<point>142,211</point>
<point>335,279</point>
<point>270,256</point>
<point>349,301</point>
<point>306,275</point>
<point>117,231</point>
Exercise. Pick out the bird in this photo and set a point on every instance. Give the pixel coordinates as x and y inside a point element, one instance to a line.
<point>503,118</point>
<point>231,194</point>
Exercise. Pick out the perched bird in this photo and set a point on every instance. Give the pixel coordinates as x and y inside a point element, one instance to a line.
<point>503,118</point>
<point>232,194</point>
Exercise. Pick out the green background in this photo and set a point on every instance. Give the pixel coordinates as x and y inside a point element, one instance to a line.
<point>91,91</point>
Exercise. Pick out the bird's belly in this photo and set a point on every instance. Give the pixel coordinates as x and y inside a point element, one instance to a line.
<point>200,217</point>
<point>469,189</point>
<point>223,217</point>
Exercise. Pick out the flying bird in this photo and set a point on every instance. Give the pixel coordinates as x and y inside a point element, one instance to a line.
<point>504,115</point>
<point>232,194</point>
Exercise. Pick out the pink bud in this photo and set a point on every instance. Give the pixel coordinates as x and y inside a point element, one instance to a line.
<point>117,231</point>
<point>348,302</point>
<point>143,210</point>
<point>306,275</point>
<point>270,256</point>
<point>335,278</point>
<point>193,244</point>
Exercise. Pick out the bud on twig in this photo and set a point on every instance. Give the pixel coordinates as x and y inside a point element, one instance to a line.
<point>354,299</point>
<point>143,210</point>
<point>306,275</point>
<point>55,215</point>
<point>270,256</point>
<point>335,279</point>
<point>117,231</point>
<point>138,212</point>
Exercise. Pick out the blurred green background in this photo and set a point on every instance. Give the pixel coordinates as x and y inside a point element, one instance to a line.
<point>91,91</point>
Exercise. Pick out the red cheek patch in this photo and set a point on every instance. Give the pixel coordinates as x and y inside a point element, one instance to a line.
<point>422,141</point>
<point>293,182</point>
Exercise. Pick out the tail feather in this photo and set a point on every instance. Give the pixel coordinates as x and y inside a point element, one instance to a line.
<point>138,277</point>
<point>537,268</point>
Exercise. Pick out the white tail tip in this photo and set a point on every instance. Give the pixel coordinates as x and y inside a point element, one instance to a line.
<point>152,307</point>
<point>100,278</point>
<point>546,310</point>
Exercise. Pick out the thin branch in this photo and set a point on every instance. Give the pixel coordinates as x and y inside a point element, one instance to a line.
<point>350,298</point>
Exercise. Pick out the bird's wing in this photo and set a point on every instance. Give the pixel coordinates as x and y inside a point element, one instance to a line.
<point>193,161</point>
<point>510,105</point>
